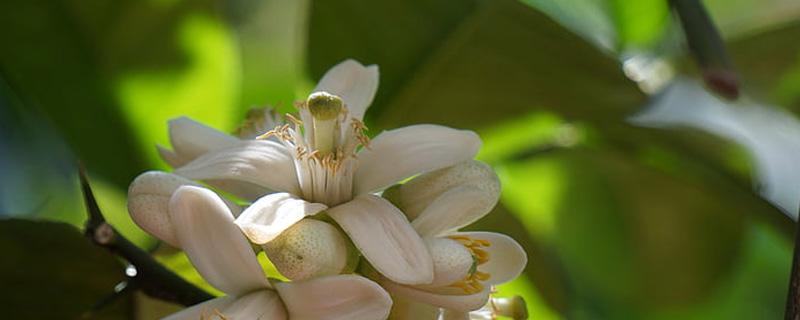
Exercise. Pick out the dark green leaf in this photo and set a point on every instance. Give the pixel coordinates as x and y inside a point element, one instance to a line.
<point>51,271</point>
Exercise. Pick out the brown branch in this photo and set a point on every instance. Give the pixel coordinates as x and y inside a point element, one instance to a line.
<point>151,277</point>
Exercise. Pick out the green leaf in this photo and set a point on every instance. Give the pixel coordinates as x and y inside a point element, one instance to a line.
<point>109,76</point>
<point>51,271</point>
<point>469,64</point>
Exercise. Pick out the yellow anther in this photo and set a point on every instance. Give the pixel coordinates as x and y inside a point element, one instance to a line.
<point>482,276</point>
<point>472,282</point>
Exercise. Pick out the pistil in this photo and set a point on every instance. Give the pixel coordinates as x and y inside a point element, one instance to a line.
<point>325,108</point>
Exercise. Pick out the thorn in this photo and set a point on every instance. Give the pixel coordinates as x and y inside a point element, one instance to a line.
<point>95,215</point>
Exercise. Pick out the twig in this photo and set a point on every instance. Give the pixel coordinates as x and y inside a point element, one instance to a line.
<point>793,297</point>
<point>151,277</point>
<point>707,47</point>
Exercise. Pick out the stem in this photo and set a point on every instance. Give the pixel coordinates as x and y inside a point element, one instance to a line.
<point>707,47</point>
<point>793,297</point>
<point>151,277</point>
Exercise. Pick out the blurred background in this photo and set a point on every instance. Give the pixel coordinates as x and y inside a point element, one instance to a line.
<point>637,191</point>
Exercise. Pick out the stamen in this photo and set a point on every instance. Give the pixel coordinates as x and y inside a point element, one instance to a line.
<point>472,282</point>
<point>293,119</point>
<point>219,314</point>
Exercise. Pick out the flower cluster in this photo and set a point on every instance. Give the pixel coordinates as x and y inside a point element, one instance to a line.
<point>318,206</point>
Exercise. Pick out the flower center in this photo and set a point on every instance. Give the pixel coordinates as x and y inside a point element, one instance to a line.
<point>323,143</point>
<point>472,282</point>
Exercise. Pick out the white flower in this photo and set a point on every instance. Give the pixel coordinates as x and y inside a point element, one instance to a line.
<point>323,162</point>
<point>466,264</point>
<point>203,225</point>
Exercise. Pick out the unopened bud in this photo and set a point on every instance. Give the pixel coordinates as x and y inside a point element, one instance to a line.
<point>417,194</point>
<point>310,248</point>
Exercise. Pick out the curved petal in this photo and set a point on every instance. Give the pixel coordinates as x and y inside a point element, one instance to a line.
<point>191,139</point>
<point>148,203</point>
<point>398,154</point>
<point>261,304</point>
<point>335,297</point>
<point>454,209</point>
<point>507,259</point>
<point>265,163</point>
<point>418,195</point>
<point>202,310</point>
<point>456,302</point>
<point>270,215</point>
<point>354,83</point>
<point>385,238</point>
<point>205,230</point>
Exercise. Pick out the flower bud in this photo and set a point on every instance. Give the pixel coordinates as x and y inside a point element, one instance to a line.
<point>310,248</point>
<point>417,194</point>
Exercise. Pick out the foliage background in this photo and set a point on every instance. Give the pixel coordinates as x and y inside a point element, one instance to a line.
<point>620,221</point>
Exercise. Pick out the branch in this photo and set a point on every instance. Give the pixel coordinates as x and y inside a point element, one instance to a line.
<point>707,47</point>
<point>793,297</point>
<point>151,277</point>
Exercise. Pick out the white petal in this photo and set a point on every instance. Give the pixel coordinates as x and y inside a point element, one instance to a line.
<point>191,139</point>
<point>205,230</point>
<point>202,310</point>
<point>245,190</point>
<point>405,309</point>
<point>385,238</point>
<point>270,215</point>
<point>455,208</point>
<point>455,302</point>
<point>448,198</point>
<point>265,163</point>
<point>354,83</point>
<point>261,304</point>
<point>398,154</point>
<point>335,297</point>
<point>507,259</point>
<point>148,203</point>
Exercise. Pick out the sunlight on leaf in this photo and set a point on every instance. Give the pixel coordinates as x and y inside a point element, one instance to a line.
<point>205,89</point>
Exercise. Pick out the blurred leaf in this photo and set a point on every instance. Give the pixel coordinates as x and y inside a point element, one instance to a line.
<point>770,65</point>
<point>51,271</point>
<point>756,289</point>
<point>110,75</point>
<point>640,23</point>
<point>272,36</point>
<point>742,17</point>
<point>589,18</point>
<point>36,167</point>
<point>483,62</point>
<point>631,237</point>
